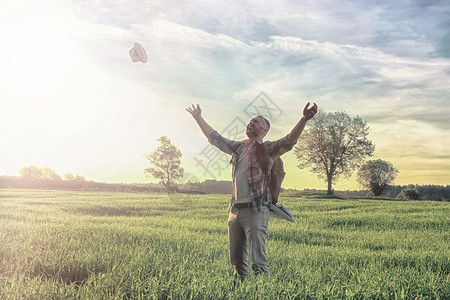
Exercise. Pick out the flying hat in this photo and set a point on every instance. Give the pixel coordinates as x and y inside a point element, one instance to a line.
<point>137,53</point>
<point>280,212</point>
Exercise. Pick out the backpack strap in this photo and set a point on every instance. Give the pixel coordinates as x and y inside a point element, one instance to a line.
<point>261,158</point>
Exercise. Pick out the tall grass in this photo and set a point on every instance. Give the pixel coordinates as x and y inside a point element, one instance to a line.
<point>82,245</point>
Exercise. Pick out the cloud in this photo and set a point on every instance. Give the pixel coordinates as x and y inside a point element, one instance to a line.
<point>217,59</point>
<point>414,28</point>
<point>212,42</point>
<point>342,71</point>
<point>443,47</point>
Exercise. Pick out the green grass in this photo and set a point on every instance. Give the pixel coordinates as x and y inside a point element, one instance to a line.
<point>96,245</point>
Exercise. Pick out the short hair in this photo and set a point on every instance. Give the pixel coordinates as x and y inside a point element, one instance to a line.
<point>267,122</point>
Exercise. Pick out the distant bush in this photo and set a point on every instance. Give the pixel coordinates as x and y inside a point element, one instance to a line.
<point>434,192</point>
<point>411,194</point>
<point>322,196</point>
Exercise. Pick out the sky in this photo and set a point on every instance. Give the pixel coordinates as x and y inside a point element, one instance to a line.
<point>72,100</point>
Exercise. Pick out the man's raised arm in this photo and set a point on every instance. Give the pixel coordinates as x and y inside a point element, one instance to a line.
<point>196,112</point>
<point>308,113</point>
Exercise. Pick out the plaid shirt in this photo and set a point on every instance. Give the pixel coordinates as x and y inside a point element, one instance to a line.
<point>259,189</point>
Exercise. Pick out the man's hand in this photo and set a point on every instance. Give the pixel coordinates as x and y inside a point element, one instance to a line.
<point>308,113</point>
<point>196,112</point>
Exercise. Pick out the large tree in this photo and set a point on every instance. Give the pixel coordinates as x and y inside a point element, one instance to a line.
<point>376,175</point>
<point>334,145</point>
<point>165,163</point>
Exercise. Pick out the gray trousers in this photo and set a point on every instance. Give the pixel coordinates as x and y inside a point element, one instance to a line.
<point>248,229</point>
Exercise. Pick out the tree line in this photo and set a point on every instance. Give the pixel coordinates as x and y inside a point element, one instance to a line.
<point>208,186</point>
<point>33,172</point>
<point>406,192</point>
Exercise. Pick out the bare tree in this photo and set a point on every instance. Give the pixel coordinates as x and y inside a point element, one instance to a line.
<point>165,163</point>
<point>334,145</point>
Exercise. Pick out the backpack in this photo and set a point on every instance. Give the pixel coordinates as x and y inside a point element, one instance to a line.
<point>275,175</point>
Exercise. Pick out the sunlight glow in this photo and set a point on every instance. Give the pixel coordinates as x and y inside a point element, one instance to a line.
<point>40,60</point>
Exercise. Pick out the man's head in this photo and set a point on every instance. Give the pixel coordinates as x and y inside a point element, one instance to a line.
<point>257,127</point>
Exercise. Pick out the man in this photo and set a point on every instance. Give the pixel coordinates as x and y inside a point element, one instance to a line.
<point>251,160</point>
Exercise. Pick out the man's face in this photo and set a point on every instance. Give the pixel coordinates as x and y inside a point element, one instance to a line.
<point>256,128</point>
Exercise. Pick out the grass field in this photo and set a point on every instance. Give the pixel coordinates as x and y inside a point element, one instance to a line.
<point>96,245</point>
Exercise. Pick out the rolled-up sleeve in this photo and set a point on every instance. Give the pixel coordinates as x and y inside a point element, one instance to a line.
<point>279,147</point>
<point>222,143</point>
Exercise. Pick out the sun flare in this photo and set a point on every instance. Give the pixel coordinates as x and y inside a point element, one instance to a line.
<point>39,59</point>
<point>33,52</point>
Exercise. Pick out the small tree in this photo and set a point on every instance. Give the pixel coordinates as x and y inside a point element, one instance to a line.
<point>31,172</point>
<point>411,194</point>
<point>39,173</point>
<point>334,145</point>
<point>165,163</point>
<point>50,174</point>
<point>376,175</point>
